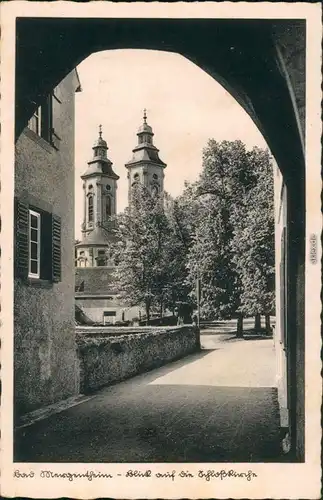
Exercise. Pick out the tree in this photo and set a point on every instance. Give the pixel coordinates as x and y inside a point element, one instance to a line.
<point>232,249</point>
<point>224,174</point>
<point>209,261</point>
<point>181,214</point>
<point>219,231</point>
<point>175,287</point>
<point>140,273</point>
<point>253,239</point>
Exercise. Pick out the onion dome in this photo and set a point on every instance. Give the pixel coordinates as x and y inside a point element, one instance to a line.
<point>100,163</point>
<point>100,143</point>
<point>145,127</point>
<point>145,150</point>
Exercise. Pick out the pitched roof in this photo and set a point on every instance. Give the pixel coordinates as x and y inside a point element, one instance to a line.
<point>145,153</point>
<point>98,236</point>
<point>95,281</point>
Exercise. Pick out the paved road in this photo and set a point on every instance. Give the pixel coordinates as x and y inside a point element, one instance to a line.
<point>219,405</point>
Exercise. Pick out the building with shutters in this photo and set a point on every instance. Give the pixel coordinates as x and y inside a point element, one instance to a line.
<point>96,293</point>
<point>46,366</point>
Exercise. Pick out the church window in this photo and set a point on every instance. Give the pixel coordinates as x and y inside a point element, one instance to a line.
<point>101,259</point>
<point>35,122</point>
<point>140,139</point>
<point>90,209</point>
<point>155,176</point>
<point>136,177</point>
<point>108,187</point>
<point>108,206</point>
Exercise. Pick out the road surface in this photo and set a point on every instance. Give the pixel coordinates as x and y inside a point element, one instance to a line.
<point>218,405</point>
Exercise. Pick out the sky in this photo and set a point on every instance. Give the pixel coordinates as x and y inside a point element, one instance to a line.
<point>185,107</point>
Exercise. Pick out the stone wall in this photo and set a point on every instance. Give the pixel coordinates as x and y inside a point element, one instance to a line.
<point>105,360</point>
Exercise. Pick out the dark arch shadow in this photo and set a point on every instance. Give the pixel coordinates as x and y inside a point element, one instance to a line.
<point>49,48</point>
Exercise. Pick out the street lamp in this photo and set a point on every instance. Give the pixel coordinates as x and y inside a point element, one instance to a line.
<point>198,296</point>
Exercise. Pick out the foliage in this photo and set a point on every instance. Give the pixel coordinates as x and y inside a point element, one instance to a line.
<point>151,270</point>
<point>210,262</point>
<point>178,239</point>
<point>253,240</point>
<point>224,173</point>
<point>219,230</point>
<point>232,250</point>
<point>141,230</point>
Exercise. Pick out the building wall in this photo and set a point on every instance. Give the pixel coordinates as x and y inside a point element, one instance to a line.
<point>94,308</point>
<point>87,256</point>
<point>99,294</point>
<point>46,365</point>
<point>281,291</point>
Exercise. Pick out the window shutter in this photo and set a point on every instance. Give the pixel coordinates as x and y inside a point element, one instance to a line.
<point>21,240</point>
<point>46,119</point>
<point>56,248</point>
<point>56,118</point>
<point>46,246</point>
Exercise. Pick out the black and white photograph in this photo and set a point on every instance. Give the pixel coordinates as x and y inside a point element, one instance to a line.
<point>161,329</point>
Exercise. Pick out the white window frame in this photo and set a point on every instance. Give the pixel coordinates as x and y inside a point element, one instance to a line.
<point>37,116</point>
<point>38,216</point>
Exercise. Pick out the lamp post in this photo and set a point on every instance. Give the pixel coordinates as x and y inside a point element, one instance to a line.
<point>198,293</point>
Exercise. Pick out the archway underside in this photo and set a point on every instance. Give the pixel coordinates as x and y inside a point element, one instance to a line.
<point>240,54</point>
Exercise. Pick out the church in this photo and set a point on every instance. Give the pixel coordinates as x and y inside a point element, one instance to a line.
<point>96,294</point>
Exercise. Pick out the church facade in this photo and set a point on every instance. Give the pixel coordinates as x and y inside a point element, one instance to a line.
<point>96,293</point>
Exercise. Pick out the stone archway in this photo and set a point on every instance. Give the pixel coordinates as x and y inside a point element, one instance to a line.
<point>266,78</point>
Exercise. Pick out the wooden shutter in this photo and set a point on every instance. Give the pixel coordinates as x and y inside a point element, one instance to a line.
<point>21,239</point>
<point>56,133</point>
<point>46,246</point>
<point>46,119</point>
<point>56,248</point>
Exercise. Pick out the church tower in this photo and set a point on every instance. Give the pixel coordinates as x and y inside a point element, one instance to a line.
<point>99,208</point>
<point>146,167</point>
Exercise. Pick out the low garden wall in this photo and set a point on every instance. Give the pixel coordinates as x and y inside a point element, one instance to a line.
<point>109,357</point>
